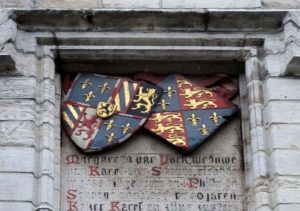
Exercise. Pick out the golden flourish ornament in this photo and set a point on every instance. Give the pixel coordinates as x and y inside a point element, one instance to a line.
<point>163,104</point>
<point>88,96</point>
<point>126,128</point>
<point>85,83</point>
<point>105,110</point>
<point>194,120</point>
<point>170,91</point>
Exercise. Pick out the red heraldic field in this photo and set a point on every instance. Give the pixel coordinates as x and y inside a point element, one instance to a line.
<point>188,114</point>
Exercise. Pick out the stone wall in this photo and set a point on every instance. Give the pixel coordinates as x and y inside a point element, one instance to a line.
<point>149,4</point>
<point>30,105</point>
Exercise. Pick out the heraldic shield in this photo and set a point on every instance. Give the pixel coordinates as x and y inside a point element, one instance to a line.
<point>101,111</point>
<point>188,114</point>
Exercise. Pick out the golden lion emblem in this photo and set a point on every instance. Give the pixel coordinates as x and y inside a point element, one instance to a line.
<point>145,99</point>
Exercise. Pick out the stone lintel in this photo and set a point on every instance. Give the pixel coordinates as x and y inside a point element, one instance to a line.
<point>210,20</point>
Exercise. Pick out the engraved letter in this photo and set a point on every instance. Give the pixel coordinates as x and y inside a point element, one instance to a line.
<point>71,194</point>
<point>94,171</point>
<point>156,170</point>
<point>114,206</point>
<point>72,159</point>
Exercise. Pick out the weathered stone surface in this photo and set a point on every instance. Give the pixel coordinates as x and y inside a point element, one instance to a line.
<point>179,4</point>
<point>255,91</point>
<point>257,139</point>
<point>15,4</point>
<point>289,207</point>
<point>17,133</point>
<point>259,164</point>
<point>68,4</point>
<point>146,172</point>
<point>46,112</point>
<point>8,31</point>
<point>4,15</point>
<point>17,159</point>
<point>90,4</point>
<point>145,4</point>
<point>284,162</point>
<point>26,42</point>
<point>262,198</point>
<point>45,192</point>
<point>288,195</point>
<point>48,68</point>
<point>17,87</point>
<point>255,115</point>
<point>113,20</point>
<point>25,64</point>
<point>281,89</point>
<point>279,4</point>
<point>17,187</point>
<point>17,110</point>
<point>280,147</point>
<point>240,21</point>
<point>281,112</point>
<point>284,136</point>
<point>24,206</point>
<point>46,90</point>
<point>7,64</point>
<point>46,161</point>
<point>47,136</point>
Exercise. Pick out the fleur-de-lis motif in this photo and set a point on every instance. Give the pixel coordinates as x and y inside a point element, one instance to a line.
<point>110,137</point>
<point>109,125</point>
<point>204,130</point>
<point>194,120</point>
<point>126,128</point>
<point>215,118</point>
<point>103,87</point>
<point>170,91</point>
<point>85,83</point>
<point>88,96</point>
<point>163,104</point>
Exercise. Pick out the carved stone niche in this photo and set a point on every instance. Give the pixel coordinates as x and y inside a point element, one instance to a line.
<point>235,42</point>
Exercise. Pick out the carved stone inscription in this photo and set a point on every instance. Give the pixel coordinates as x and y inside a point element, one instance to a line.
<point>145,174</point>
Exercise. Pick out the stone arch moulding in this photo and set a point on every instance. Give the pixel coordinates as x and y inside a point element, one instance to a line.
<point>36,45</point>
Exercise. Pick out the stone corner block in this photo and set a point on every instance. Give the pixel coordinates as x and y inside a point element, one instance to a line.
<point>294,16</point>
<point>8,31</point>
<point>4,15</point>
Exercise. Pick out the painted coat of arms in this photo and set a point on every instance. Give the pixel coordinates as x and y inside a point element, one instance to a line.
<point>187,113</point>
<point>102,111</point>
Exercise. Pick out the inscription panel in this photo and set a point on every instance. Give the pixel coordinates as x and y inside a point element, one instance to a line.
<point>146,174</point>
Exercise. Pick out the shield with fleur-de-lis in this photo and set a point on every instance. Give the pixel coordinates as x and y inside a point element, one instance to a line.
<point>100,111</point>
<point>188,114</point>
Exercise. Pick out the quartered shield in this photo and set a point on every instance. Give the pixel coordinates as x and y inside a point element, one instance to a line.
<point>188,114</point>
<point>101,111</point>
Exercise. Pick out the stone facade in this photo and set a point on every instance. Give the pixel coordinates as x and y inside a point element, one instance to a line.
<point>147,4</point>
<point>265,40</point>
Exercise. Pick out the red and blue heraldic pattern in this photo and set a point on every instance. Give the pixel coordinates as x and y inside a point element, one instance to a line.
<point>188,114</point>
<point>100,111</point>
